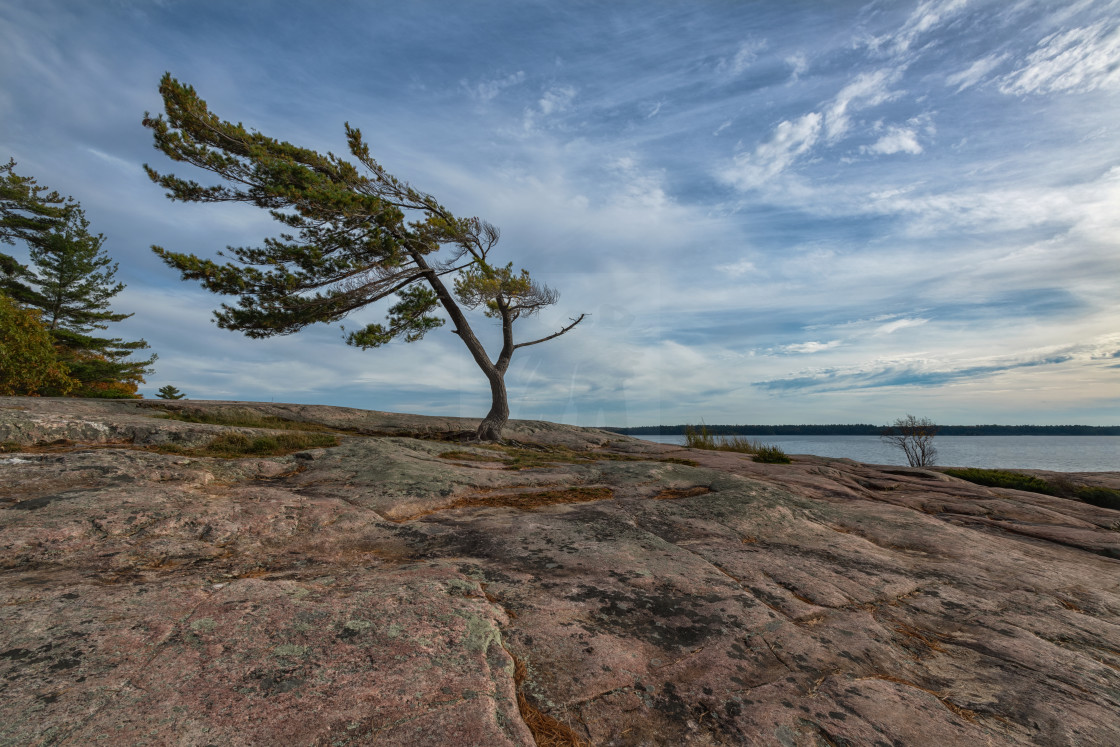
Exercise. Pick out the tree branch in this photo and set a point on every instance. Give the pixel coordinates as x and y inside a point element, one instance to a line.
<point>552,336</point>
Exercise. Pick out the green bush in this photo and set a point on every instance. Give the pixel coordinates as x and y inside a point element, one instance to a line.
<point>1061,486</point>
<point>1002,479</point>
<point>1103,497</point>
<point>29,362</point>
<point>771,455</point>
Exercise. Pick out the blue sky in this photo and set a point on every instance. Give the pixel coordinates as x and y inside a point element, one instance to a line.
<point>774,211</point>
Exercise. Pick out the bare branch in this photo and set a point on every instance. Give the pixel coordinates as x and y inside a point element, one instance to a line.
<point>552,336</point>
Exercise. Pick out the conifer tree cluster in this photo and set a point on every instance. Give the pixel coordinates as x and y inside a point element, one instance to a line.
<point>67,293</point>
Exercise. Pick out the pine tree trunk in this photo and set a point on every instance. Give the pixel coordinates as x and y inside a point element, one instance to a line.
<point>490,429</point>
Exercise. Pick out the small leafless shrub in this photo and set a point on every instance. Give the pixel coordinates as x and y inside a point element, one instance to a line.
<point>915,437</point>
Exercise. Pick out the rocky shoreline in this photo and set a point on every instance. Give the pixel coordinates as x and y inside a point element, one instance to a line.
<point>572,587</point>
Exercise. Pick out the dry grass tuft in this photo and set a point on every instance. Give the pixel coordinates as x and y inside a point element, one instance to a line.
<point>535,499</point>
<point>911,632</point>
<point>1071,606</point>
<point>521,500</point>
<point>547,731</point>
<point>673,493</point>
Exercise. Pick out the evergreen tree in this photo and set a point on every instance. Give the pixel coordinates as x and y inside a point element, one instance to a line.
<point>169,392</point>
<point>352,237</point>
<point>75,280</point>
<point>71,285</point>
<point>29,363</point>
<point>75,277</point>
<point>27,211</point>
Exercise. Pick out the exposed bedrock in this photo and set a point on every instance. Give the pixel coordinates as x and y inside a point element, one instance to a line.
<point>382,591</point>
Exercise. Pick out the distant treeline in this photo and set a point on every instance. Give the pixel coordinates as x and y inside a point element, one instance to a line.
<point>864,429</point>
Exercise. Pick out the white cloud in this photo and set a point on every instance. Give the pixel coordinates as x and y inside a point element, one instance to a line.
<point>489,89</point>
<point>793,138</point>
<point>1088,208</point>
<point>868,89</point>
<point>639,188</point>
<point>556,99</point>
<point>897,140</point>
<point>925,17</point>
<point>1083,59</point>
<point>127,166</point>
<point>789,140</point>
<point>975,72</point>
<point>897,324</point>
<point>737,269</point>
<point>799,65</point>
<point>811,347</point>
<point>744,56</point>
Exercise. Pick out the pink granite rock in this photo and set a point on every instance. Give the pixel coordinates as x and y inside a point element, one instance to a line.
<point>378,592</point>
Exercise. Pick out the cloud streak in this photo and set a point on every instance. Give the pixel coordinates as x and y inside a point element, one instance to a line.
<point>1078,60</point>
<point>906,375</point>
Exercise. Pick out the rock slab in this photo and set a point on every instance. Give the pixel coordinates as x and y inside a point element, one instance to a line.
<point>383,592</point>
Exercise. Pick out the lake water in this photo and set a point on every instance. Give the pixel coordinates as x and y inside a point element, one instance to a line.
<point>1056,453</point>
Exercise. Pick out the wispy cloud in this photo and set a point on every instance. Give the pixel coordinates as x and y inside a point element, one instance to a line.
<point>811,347</point>
<point>975,72</point>
<point>798,64</point>
<point>555,100</point>
<point>488,90</point>
<point>897,324</point>
<point>744,56</point>
<point>896,140</point>
<point>789,140</point>
<point>912,374</point>
<point>737,269</point>
<point>867,90</point>
<point>926,17</point>
<point>1081,59</point>
<point>793,139</point>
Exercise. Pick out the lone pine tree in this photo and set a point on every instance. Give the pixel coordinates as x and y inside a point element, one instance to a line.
<point>352,237</point>
<point>169,392</point>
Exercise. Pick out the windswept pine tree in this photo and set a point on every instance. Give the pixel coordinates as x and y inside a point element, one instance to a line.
<point>351,236</point>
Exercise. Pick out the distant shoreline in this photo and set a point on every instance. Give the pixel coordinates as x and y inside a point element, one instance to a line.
<point>863,429</point>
